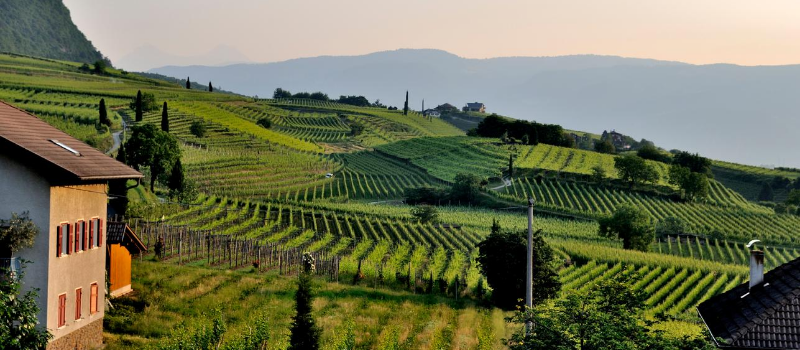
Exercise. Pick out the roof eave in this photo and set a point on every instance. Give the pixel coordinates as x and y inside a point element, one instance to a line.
<point>110,177</point>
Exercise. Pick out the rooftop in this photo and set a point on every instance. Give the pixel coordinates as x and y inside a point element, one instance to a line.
<point>24,135</point>
<point>766,316</point>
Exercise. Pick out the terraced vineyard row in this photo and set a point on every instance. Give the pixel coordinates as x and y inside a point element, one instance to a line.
<point>445,157</point>
<point>576,161</point>
<point>739,223</point>
<point>390,249</point>
<point>722,251</point>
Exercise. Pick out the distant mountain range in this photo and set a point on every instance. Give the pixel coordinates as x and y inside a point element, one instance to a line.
<point>742,114</point>
<point>43,28</point>
<point>147,57</point>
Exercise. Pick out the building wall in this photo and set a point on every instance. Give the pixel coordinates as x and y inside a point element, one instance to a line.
<point>119,269</point>
<point>77,270</point>
<point>22,189</point>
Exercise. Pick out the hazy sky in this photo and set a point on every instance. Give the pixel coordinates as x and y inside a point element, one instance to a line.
<point>707,31</point>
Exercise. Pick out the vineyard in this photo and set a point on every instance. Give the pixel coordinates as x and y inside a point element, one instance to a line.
<point>329,178</point>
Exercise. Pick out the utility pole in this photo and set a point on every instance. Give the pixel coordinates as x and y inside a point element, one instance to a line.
<point>529,276</point>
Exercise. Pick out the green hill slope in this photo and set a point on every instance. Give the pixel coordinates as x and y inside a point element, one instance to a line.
<point>43,28</point>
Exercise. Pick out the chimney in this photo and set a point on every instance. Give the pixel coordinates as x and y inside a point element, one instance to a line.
<point>756,268</point>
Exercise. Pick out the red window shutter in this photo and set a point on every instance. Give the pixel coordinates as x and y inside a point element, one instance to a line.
<point>78,298</point>
<point>70,230</point>
<point>62,308</point>
<point>91,234</point>
<point>77,238</point>
<point>100,232</point>
<point>58,241</point>
<point>93,299</point>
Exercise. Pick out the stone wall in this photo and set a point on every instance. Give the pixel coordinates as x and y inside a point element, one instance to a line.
<point>87,337</point>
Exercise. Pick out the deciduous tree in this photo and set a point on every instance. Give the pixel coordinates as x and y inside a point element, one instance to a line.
<point>634,170</point>
<point>152,148</point>
<point>632,225</point>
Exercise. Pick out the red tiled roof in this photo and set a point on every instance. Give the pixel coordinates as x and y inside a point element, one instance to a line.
<point>33,135</point>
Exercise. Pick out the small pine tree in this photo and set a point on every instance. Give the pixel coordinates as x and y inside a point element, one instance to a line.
<point>104,113</point>
<point>139,112</point>
<point>210,87</point>
<point>188,83</point>
<point>164,119</point>
<point>304,332</point>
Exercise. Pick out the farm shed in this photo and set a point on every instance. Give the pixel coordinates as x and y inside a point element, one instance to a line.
<point>122,245</point>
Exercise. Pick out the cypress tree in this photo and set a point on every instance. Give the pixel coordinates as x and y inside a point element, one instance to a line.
<point>304,331</point>
<point>164,119</point>
<point>188,83</point>
<point>104,113</point>
<point>139,106</point>
<point>405,106</point>
<point>176,177</point>
<point>210,87</point>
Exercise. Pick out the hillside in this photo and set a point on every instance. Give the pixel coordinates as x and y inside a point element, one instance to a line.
<point>671,103</point>
<point>329,178</point>
<point>43,28</point>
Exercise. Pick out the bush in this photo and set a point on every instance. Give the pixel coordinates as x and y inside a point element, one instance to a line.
<point>264,123</point>
<point>197,128</point>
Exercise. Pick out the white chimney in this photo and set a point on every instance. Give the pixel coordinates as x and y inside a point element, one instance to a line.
<point>756,267</point>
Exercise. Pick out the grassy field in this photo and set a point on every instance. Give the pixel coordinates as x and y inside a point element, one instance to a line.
<point>167,295</point>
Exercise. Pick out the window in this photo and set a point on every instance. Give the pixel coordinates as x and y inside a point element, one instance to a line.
<point>78,298</point>
<point>77,239</point>
<point>63,236</point>
<point>62,310</point>
<point>93,300</point>
<point>98,233</point>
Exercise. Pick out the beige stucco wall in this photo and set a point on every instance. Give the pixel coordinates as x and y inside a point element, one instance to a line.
<point>22,189</point>
<point>67,273</point>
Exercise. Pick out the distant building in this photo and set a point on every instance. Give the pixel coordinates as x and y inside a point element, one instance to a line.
<point>761,314</point>
<point>475,107</point>
<point>63,184</point>
<point>579,138</point>
<point>431,113</point>
<point>617,139</point>
<point>447,108</point>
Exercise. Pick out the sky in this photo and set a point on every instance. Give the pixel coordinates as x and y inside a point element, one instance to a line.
<point>185,31</point>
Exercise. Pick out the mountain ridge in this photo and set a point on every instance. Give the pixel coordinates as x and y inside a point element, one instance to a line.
<point>672,103</point>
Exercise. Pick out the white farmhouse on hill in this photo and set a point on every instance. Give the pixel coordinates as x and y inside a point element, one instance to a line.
<point>62,183</point>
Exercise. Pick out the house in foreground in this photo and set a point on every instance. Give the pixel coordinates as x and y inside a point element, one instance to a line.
<point>761,314</point>
<point>121,245</point>
<point>63,184</point>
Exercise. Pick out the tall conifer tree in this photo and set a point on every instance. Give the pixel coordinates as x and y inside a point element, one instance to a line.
<point>164,118</point>
<point>405,106</point>
<point>188,83</point>
<point>210,87</point>
<point>139,113</point>
<point>104,113</point>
